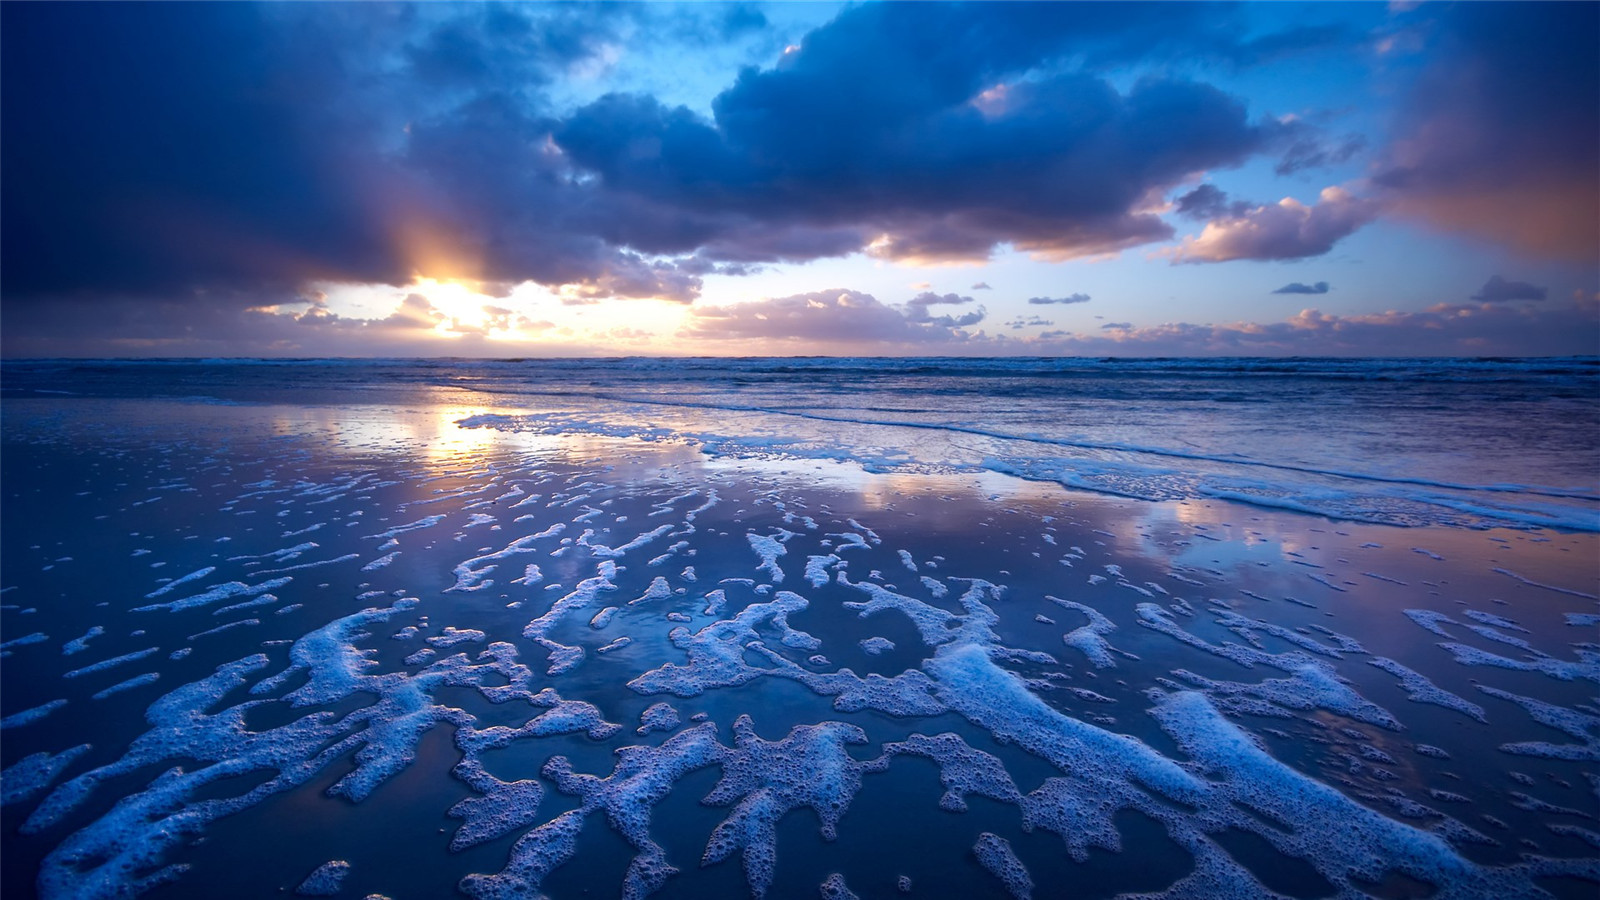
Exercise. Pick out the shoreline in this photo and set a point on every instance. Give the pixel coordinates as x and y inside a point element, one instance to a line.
<point>1279,620</point>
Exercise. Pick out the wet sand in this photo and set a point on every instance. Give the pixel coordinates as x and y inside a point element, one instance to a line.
<point>1141,696</point>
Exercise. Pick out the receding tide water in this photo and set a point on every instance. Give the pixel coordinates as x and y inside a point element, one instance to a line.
<point>800,628</point>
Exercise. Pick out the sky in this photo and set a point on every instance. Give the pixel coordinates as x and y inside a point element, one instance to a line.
<point>1040,179</point>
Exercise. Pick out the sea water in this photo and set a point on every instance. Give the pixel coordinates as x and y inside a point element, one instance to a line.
<point>798,628</point>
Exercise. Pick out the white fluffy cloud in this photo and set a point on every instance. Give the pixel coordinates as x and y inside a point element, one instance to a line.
<point>1288,229</point>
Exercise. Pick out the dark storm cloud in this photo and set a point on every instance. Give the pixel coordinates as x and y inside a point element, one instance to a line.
<point>1501,139</point>
<point>1295,287</point>
<point>232,152</point>
<point>493,43</point>
<point>1499,290</point>
<point>881,130</point>
<point>227,154</point>
<point>159,146</point>
<point>1070,298</point>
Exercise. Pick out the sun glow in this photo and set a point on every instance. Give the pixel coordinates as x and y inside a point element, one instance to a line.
<point>522,318</point>
<point>462,308</point>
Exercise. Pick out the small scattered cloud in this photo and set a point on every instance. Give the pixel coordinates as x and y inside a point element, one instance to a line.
<point>828,322</point>
<point>1288,229</point>
<point>1295,287</point>
<point>981,286</point>
<point>415,311</point>
<point>1316,153</point>
<point>917,310</point>
<point>1444,329</point>
<point>1499,290</point>
<point>1070,298</point>
<point>1207,201</point>
<point>1021,322</point>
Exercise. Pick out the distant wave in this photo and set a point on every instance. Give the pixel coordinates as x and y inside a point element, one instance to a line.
<point>1468,442</point>
<point>1460,369</point>
<point>1376,499</point>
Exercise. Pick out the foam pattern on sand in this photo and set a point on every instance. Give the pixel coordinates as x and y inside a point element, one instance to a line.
<point>1182,685</point>
<point>808,767</point>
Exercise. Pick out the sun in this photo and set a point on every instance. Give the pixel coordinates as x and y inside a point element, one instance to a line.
<point>458,301</point>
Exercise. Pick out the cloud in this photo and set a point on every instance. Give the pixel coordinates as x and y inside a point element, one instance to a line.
<point>1070,298</point>
<point>981,286</point>
<point>916,310</point>
<point>1445,329</point>
<point>140,327</point>
<point>1501,137</point>
<point>1314,152</point>
<point>219,153</point>
<point>230,154</point>
<point>207,159</point>
<point>415,311</point>
<point>1207,201</point>
<point>1028,322</point>
<point>630,275</point>
<point>838,321</point>
<point>933,156</point>
<point>1499,290</point>
<point>1295,287</point>
<point>831,319</point>
<point>1287,230</point>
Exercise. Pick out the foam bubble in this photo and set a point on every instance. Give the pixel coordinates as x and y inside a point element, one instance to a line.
<point>533,857</point>
<point>453,636</point>
<point>218,593</point>
<point>1089,639</point>
<point>1341,838</point>
<point>600,551</point>
<point>658,717</point>
<point>1422,690</point>
<point>326,880</point>
<point>817,568</point>
<point>114,661</point>
<point>995,855</point>
<point>134,682</point>
<point>808,767</point>
<point>659,589</point>
<point>38,637</point>
<point>962,770</point>
<point>769,547</point>
<point>32,774</point>
<point>1581,725</point>
<point>877,645</point>
<point>834,888</point>
<point>79,644</point>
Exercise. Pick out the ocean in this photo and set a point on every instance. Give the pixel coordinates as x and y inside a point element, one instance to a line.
<point>800,627</point>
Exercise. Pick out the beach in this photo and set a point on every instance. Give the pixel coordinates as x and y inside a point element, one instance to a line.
<point>691,628</point>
